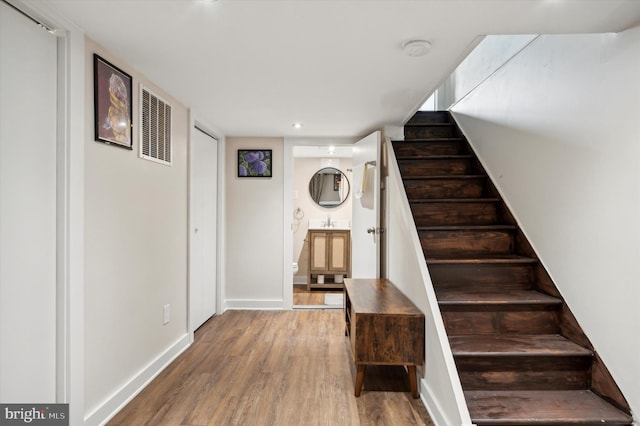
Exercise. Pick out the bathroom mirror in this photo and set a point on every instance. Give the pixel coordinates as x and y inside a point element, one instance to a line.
<point>329,187</point>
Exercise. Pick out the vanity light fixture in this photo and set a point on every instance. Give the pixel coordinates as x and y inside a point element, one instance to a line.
<point>297,125</point>
<point>416,47</point>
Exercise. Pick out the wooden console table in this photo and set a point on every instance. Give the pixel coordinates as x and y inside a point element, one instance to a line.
<point>384,328</point>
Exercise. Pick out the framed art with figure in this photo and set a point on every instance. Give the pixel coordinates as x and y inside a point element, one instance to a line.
<point>113,110</point>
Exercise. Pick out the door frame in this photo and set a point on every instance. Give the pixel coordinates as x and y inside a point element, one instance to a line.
<point>287,217</point>
<point>287,225</point>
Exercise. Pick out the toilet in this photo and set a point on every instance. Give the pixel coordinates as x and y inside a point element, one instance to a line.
<point>294,267</point>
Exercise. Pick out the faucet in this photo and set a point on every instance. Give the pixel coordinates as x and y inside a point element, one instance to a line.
<point>328,221</point>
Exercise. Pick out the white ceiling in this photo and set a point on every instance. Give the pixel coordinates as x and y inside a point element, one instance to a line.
<point>254,67</point>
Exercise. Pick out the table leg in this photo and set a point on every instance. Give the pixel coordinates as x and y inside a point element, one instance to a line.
<point>413,381</point>
<point>359,378</point>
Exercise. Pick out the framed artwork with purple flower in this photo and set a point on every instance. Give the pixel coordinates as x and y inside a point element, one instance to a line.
<point>254,163</point>
<point>112,104</point>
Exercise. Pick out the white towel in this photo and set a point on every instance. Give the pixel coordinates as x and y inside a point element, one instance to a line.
<point>359,180</point>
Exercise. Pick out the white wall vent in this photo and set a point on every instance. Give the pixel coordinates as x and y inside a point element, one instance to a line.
<point>155,127</point>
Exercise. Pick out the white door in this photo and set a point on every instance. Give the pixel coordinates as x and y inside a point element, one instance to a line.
<point>365,223</point>
<point>28,109</point>
<point>203,219</point>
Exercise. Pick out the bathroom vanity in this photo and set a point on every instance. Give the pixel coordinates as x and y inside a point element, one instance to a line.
<point>329,256</point>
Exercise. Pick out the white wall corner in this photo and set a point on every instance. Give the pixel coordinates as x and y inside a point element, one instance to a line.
<point>102,414</point>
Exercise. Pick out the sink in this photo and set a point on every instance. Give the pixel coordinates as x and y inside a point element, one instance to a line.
<point>338,224</point>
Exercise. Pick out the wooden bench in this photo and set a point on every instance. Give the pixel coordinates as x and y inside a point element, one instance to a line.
<point>384,327</point>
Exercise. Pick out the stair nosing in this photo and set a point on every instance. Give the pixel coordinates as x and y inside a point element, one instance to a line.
<point>493,260</point>
<point>468,228</point>
<point>518,298</point>
<point>434,139</point>
<point>454,200</point>
<point>447,124</point>
<point>573,349</point>
<point>436,177</point>
<point>436,157</point>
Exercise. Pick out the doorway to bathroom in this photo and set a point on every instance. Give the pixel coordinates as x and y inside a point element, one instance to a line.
<point>322,179</point>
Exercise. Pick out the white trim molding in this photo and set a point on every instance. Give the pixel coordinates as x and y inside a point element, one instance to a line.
<point>130,390</point>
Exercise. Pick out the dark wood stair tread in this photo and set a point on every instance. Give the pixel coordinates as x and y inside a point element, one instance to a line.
<point>454,200</point>
<point>515,297</point>
<point>434,124</point>
<point>515,345</point>
<point>436,157</point>
<point>433,139</point>
<point>491,259</point>
<point>430,117</point>
<point>445,177</point>
<point>467,228</point>
<point>565,407</point>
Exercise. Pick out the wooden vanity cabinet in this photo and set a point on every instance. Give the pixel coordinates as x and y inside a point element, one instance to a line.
<point>329,255</point>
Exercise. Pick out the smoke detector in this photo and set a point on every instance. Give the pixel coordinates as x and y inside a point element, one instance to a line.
<point>416,47</point>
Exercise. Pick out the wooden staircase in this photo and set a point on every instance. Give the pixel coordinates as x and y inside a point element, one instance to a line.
<point>521,356</point>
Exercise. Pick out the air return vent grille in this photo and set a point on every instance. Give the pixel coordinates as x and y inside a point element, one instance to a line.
<point>155,127</point>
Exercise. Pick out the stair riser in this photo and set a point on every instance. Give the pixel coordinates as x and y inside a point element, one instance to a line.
<point>409,149</point>
<point>426,131</point>
<point>522,380</point>
<point>436,167</point>
<point>471,243</point>
<point>481,277</point>
<point>524,322</point>
<point>445,188</point>
<point>430,117</point>
<point>523,372</point>
<point>473,213</point>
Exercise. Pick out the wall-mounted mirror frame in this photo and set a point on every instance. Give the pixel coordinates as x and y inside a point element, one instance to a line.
<point>329,187</point>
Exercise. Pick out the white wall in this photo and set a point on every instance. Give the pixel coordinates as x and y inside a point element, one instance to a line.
<point>557,128</point>
<point>28,196</point>
<point>254,229</point>
<point>135,255</point>
<point>492,52</point>
<point>303,170</point>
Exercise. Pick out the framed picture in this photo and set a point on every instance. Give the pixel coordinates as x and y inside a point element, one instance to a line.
<point>112,100</point>
<point>254,163</point>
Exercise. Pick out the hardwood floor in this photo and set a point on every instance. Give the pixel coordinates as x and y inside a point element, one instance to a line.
<point>302,296</point>
<point>273,368</point>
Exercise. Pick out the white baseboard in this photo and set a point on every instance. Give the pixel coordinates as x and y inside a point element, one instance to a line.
<point>122,397</point>
<point>255,304</point>
<point>433,407</point>
<point>299,280</point>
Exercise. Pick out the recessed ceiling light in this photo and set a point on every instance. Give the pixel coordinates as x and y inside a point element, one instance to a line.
<point>297,125</point>
<point>416,47</point>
